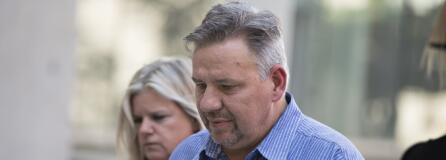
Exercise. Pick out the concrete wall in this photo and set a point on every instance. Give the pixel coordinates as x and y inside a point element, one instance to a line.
<point>37,41</point>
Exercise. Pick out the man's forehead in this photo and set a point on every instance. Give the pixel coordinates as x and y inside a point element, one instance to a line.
<point>217,75</point>
<point>221,80</point>
<point>222,61</point>
<point>233,44</point>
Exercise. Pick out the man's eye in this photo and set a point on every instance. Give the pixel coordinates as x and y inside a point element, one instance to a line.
<point>227,87</point>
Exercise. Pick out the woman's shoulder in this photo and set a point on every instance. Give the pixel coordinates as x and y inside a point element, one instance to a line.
<point>191,146</point>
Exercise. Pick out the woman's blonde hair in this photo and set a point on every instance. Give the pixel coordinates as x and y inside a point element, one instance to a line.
<point>171,78</point>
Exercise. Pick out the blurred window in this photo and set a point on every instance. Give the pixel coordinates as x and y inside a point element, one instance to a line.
<point>355,62</point>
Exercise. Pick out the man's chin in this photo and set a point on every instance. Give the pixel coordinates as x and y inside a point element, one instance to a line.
<point>226,139</point>
<point>219,135</point>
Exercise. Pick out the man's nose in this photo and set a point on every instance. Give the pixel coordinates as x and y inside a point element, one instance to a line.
<point>210,100</point>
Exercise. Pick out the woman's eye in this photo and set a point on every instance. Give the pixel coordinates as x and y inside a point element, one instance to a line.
<point>159,118</point>
<point>137,120</point>
<point>201,86</point>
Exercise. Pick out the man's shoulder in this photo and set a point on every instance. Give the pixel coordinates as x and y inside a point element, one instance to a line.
<point>315,130</point>
<point>191,146</point>
<point>325,139</point>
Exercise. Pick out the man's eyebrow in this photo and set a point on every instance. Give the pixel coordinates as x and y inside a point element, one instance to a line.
<point>223,81</point>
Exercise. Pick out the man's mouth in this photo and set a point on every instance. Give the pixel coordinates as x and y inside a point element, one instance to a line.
<point>220,122</point>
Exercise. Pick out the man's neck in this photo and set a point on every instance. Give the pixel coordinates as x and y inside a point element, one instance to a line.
<point>240,154</point>
<point>236,154</point>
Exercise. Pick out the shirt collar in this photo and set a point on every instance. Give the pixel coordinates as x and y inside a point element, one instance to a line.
<point>276,144</point>
<point>212,149</point>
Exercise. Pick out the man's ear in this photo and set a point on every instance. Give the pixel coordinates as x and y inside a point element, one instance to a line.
<point>279,78</point>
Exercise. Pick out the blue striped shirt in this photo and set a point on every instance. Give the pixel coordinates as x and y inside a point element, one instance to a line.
<point>294,136</point>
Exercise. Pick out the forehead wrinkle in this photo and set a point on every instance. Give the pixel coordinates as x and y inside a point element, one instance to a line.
<point>224,80</point>
<point>221,73</point>
<point>212,61</point>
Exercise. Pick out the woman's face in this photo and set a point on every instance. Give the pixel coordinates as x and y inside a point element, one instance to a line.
<point>161,124</point>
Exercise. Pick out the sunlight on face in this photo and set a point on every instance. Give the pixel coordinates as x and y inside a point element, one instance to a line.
<point>233,101</point>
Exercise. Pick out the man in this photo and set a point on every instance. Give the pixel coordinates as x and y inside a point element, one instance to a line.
<point>241,76</point>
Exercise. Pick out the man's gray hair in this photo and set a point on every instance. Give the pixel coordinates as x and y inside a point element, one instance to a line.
<point>260,28</point>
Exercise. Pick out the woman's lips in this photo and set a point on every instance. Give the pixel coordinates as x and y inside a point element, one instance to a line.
<point>152,145</point>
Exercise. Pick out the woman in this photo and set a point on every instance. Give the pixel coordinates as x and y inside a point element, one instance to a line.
<point>158,110</point>
<point>434,58</point>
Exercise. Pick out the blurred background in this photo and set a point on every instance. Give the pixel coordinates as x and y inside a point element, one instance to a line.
<point>355,66</point>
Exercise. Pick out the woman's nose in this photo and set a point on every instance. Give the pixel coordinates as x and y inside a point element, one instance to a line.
<point>147,126</point>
